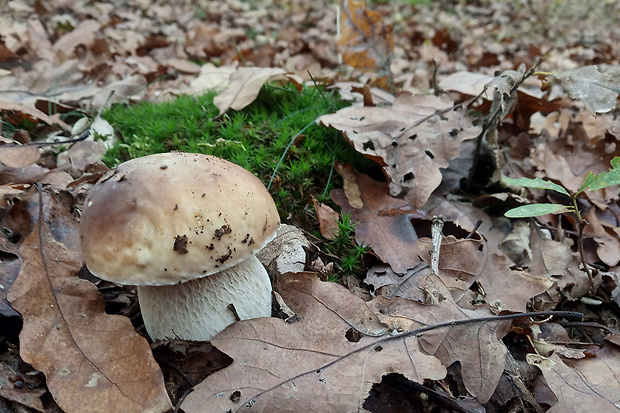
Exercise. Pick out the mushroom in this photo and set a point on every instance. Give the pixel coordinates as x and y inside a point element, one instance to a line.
<point>184,228</point>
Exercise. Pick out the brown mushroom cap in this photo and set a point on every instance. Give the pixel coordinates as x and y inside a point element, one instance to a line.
<point>168,218</point>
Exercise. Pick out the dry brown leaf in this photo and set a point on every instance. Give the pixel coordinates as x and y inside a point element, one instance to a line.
<point>383,222</point>
<point>412,140</point>
<point>587,385</point>
<point>569,161</point>
<point>84,34</point>
<point>516,245</point>
<point>35,113</point>
<point>93,362</point>
<point>82,154</point>
<point>389,284</point>
<point>549,257</point>
<point>25,175</point>
<point>461,263</point>
<point>211,78</point>
<point>366,43</point>
<point>478,347</point>
<point>39,40</point>
<point>472,84</point>
<point>19,156</point>
<point>243,87</point>
<point>328,219</point>
<point>321,363</point>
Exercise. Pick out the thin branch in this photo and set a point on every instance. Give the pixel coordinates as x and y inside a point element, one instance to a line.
<point>82,137</point>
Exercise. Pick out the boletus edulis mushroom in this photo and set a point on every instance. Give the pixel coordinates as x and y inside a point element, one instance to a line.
<point>184,228</point>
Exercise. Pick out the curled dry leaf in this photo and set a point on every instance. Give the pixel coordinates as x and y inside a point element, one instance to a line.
<point>81,155</point>
<point>412,140</point>
<point>286,252</point>
<point>348,91</point>
<point>389,284</point>
<point>243,87</point>
<point>328,219</point>
<point>324,363</point>
<point>93,362</point>
<point>462,263</point>
<point>211,78</point>
<point>472,84</point>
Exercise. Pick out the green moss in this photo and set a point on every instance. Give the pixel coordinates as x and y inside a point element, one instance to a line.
<point>275,137</point>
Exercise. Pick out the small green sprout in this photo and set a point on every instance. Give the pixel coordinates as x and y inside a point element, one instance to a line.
<point>593,182</point>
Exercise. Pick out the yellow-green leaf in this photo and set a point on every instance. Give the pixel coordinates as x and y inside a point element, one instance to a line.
<point>535,210</point>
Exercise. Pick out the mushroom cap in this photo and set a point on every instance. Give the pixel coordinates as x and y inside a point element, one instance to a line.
<point>168,218</point>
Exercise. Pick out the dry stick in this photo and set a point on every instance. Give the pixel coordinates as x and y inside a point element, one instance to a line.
<point>82,137</point>
<point>491,121</point>
<point>436,237</point>
<point>418,331</point>
<point>581,223</point>
<point>182,399</point>
<point>58,307</point>
<point>473,231</point>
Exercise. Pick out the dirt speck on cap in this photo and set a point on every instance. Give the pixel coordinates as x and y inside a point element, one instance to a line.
<point>180,244</point>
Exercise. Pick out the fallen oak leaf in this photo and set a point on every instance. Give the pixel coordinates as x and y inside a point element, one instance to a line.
<point>465,261</point>
<point>382,221</point>
<point>93,362</point>
<point>478,347</point>
<point>16,155</point>
<point>575,391</point>
<point>243,87</point>
<point>322,363</point>
<point>411,140</point>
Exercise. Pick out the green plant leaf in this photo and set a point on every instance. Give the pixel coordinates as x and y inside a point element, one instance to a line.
<point>535,210</point>
<point>594,182</point>
<point>536,183</point>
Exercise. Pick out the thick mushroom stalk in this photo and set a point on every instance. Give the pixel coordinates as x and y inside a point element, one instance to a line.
<point>199,309</point>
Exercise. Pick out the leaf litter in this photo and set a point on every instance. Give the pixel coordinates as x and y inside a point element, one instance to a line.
<point>330,360</point>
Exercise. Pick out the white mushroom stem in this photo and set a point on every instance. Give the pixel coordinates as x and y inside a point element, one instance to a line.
<point>199,309</point>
